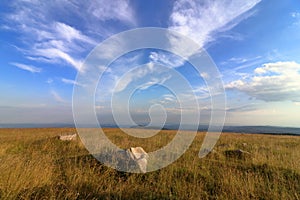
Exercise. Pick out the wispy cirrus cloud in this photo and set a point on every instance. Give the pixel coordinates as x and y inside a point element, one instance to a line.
<point>117,10</point>
<point>167,59</point>
<point>29,68</point>
<point>235,64</point>
<point>110,80</point>
<point>131,76</point>
<point>201,20</point>
<point>69,81</point>
<point>153,81</point>
<point>57,97</point>
<point>243,108</point>
<point>204,22</point>
<point>47,38</point>
<point>55,55</point>
<point>240,60</point>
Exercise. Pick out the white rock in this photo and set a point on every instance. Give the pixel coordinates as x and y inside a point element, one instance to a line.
<point>68,137</point>
<point>140,156</point>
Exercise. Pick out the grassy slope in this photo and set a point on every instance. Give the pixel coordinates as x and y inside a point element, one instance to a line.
<point>36,165</point>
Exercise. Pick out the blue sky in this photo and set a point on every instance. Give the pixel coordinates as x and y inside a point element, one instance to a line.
<point>254,44</point>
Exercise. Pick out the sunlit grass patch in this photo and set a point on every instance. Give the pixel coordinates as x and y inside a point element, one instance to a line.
<point>34,164</point>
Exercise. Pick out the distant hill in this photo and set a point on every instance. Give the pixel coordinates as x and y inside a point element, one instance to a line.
<point>250,129</point>
<point>263,130</point>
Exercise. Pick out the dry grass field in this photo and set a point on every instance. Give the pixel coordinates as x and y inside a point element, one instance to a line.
<point>34,164</point>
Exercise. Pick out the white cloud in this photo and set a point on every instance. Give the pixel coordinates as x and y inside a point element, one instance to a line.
<point>56,43</point>
<point>29,68</point>
<point>154,81</point>
<point>295,14</point>
<point>169,98</point>
<point>49,81</point>
<point>296,17</point>
<point>285,68</point>
<point>68,33</point>
<point>140,74</point>
<point>241,60</point>
<point>100,107</point>
<point>204,75</point>
<point>272,82</point>
<point>57,97</point>
<point>201,92</point>
<point>243,108</point>
<point>45,39</point>
<point>69,81</point>
<point>114,72</point>
<point>132,75</point>
<point>235,64</point>
<point>167,59</point>
<point>124,63</point>
<point>56,55</point>
<point>113,10</point>
<point>200,20</point>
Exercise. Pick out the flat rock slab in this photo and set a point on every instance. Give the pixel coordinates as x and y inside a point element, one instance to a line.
<point>139,155</point>
<point>68,137</point>
<point>134,159</point>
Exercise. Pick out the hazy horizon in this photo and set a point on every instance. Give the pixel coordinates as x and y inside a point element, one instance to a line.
<point>114,125</point>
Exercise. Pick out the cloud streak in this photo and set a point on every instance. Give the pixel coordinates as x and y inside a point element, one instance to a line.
<point>131,76</point>
<point>153,81</point>
<point>47,39</point>
<point>29,68</point>
<point>57,97</point>
<point>201,20</point>
<point>113,10</point>
<point>69,81</point>
<point>167,59</point>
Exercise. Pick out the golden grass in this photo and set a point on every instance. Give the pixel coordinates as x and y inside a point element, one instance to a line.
<point>34,164</point>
